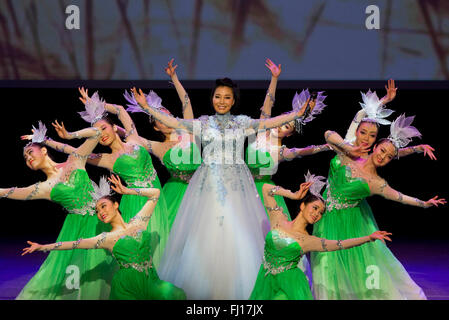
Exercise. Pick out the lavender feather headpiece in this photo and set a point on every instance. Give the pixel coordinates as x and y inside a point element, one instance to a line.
<point>374,109</point>
<point>95,109</point>
<point>298,102</point>
<point>39,134</point>
<point>401,131</point>
<point>152,98</point>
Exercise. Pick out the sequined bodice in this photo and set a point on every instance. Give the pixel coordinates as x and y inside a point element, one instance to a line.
<point>281,252</point>
<point>74,194</point>
<point>343,190</point>
<point>136,168</point>
<point>134,252</point>
<point>182,162</point>
<point>260,162</point>
<point>223,138</point>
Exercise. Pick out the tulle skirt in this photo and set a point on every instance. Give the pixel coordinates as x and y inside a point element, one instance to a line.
<point>369,271</point>
<point>216,243</point>
<point>74,274</point>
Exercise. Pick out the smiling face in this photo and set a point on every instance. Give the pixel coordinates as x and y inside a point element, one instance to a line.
<point>383,153</point>
<point>34,156</point>
<point>283,131</point>
<point>223,99</point>
<point>108,132</point>
<point>106,210</point>
<point>312,211</point>
<point>366,134</point>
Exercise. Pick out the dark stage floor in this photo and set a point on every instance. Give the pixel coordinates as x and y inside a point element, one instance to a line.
<point>426,261</point>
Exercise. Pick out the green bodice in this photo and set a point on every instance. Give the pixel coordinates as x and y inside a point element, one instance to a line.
<point>182,162</point>
<point>134,252</point>
<point>281,252</point>
<point>136,168</point>
<point>74,194</point>
<point>343,191</point>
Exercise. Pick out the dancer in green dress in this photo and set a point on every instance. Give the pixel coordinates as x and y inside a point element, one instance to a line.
<point>68,185</point>
<point>279,278</point>
<point>265,153</point>
<point>346,274</point>
<point>130,160</point>
<point>129,243</point>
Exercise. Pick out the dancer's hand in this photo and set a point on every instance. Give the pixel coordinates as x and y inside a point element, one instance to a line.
<point>434,202</point>
<point>380,235</point>
<point>357,152</point>
<point>117,185</point>
<point>61,130</point>
<point>27,136</point>
<point>428,151</point>
<point>275,70</point>
<point>391,91</point>
<point>170,70</point>
<point>303,189</point>
<point>303,108</point>
<point>139,96</point>
<point>84,94</point>
<point>33,247</point>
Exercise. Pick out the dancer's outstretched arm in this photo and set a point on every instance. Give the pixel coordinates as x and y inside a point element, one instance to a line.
<point>381,187</point>
<point>39,190</point>
<point>187,111</point>
<point>271,92</point>
<point>278,121</point>
<point>312,243</point>
<point>292,153</point>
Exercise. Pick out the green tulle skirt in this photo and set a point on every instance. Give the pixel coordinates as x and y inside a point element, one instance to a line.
<point>369,271</point>
<point>130,205</point>
<point>173,192</point>
<point>74,274</point>
<point>288,285</point>
<point>129,284</point>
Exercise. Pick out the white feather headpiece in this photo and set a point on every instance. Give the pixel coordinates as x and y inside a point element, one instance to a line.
<point>401,131</point>
<point>375,110</point>
<point>298,102</point>
<point>318,183</point>
<point>152,98</point>
<point>101,190</point>
<point>95,109</point>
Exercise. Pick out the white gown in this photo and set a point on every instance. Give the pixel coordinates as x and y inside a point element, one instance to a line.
<point>216,244</point>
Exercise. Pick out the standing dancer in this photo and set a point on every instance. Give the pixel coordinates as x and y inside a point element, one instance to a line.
<point>288,241</point>
<point>216,242</point>
<point>68,185</point>
<point>343,274</point>
<point>129,243</point>
<point>267,151</point>
<point>129,160</point>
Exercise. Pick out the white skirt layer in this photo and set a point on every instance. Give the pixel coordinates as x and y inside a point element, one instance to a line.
<point>216,244</point>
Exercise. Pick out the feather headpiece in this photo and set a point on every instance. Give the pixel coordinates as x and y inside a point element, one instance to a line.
<point>95,109</point>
